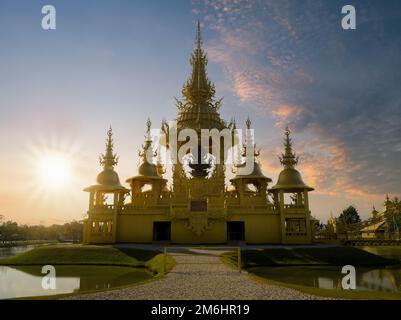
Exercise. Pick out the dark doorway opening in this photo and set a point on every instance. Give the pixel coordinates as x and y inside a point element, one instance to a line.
<point>162,231</point>
<point>236,231</point>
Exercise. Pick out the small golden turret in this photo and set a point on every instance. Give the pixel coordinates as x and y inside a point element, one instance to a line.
<point>249,144</point>
<point>289,178</point>
<point>147,168</point>
<point>108,179</point>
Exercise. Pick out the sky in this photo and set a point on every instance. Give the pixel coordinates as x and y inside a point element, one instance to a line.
<point>119,62</point>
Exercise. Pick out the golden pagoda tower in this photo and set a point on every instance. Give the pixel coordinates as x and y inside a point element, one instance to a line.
<point>291,198</point>
<point>255,183</point>
<point>148,182</point>
<point>106,198</point>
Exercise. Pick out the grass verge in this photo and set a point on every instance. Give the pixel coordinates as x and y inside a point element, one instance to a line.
<point>84,255</point>
<point>91,255</point>
<point>316,256</point>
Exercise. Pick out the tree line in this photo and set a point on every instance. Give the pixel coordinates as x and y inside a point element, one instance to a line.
<point>349,221</point>
<point>12,231</point>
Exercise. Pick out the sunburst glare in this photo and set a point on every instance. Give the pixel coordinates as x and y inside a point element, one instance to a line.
<point>54,170</point>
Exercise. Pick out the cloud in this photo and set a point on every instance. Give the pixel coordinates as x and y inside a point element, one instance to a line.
<point>338,90</point>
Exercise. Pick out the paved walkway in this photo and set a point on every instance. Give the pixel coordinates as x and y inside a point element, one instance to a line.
<point>201,276</point>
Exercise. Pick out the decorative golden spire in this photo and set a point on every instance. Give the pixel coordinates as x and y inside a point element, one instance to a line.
<point>249,140</point>
<point>288,159</point>
<point>108,160</point>
<point>147,151</point>
<point>248,123</point>
<point>159,164</point>
<point>198,36</point>
<point>198,89</point>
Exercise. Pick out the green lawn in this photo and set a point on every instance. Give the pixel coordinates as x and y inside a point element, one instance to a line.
<point>334,256</point>
<point>26,243</point>
<point>90,255</point>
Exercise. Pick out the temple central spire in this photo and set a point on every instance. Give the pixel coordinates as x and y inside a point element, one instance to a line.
<point>198,89</point>
<point>288,159</point>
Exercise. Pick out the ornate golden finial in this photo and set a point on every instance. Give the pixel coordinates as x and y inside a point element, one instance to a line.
<point>198,90</point>
<point>108,160</point>
<point>148,125</point>
<point>147,151</point>
<point>288,159</point>
<point>198,36</point>
<point>159,164</point>
<point>248,123</point>
<point>249,141</point>
<point>148,136</point>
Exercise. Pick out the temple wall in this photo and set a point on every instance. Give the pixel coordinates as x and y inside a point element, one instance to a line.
<point>137,227</point>
<point>260,228</point>
<point>217,233</point>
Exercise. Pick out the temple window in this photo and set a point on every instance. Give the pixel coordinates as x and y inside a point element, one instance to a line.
<point>198,205</point>
<point>109,200</point>
<point>293,200</point>
<point>294,226</point>
<point>147,187</point>
<point>251,187</point>
<point>109,226</point>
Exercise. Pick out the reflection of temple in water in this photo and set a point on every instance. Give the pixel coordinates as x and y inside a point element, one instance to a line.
<point>199,208</point>
<point>384,280</point>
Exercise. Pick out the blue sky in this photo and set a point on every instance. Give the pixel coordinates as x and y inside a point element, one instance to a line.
<point>282,62</point>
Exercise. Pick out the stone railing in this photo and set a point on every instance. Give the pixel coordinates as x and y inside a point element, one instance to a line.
<point>103,208</point>
<point>294,206</point>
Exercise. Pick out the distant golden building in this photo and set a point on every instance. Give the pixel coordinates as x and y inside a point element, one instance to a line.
<point>198,208</point>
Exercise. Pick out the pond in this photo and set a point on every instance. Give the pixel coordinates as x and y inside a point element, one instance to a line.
<point>26,281</point>
<point>329,277</point>
<point>379,279</point>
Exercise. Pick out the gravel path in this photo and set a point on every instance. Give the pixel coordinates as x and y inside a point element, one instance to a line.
<point>202,276</point>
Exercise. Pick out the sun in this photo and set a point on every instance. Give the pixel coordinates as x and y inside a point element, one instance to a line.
<point>54,165</point>
<point>54,170</point>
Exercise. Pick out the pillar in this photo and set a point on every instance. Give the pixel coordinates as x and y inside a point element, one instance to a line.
<point>91,200</point>
<point>307,216</point>
<point>281,212</point>
<point>115,211</point>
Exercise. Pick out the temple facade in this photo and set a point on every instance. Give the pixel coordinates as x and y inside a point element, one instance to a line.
<point>199,207</point>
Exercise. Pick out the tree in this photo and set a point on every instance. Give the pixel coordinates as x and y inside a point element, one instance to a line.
<point>350,215</point>
<point>393,214</point>
<point>10,231</point>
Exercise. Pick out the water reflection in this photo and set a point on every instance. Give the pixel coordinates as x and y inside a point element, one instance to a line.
<point>380,279</point>
<point>390,252</point>
<point>27,281</point>
<point>7,252</point>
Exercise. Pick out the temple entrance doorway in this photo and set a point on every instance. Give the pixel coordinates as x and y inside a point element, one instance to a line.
<point>235,231</point>
<point>161,231</point>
